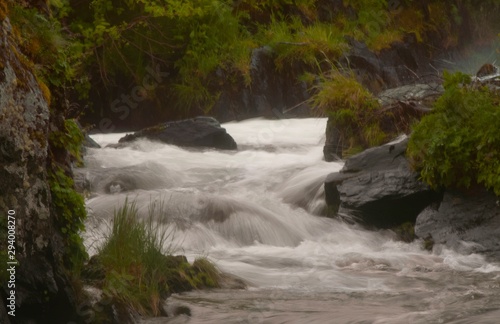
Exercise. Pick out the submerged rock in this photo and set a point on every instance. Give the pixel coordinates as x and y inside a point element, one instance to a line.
<point>468,222</point>
<point>147,176</point>
<point>195,132</point>
<point>378,187</point>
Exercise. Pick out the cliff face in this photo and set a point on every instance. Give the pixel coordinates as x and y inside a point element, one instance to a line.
<point>41,282</point>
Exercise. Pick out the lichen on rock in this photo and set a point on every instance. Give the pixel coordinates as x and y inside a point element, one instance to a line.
<point>43,289</point>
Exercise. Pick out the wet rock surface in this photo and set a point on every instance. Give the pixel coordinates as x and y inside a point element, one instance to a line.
<point>487,69</point>
<point>403,63</point>
<point>378,188</point>
<point>466,221</point>
<point>489,75</point>
<point>419,97</point>
<point>195,132</point>
<point>271,92</point>
<point>43,289</point>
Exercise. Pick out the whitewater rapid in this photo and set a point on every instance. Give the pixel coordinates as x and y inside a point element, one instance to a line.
<point>256,212</point>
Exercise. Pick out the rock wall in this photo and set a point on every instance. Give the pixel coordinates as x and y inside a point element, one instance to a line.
<point>42,285</point>
<point>271,93</point>
<point>403,63</point>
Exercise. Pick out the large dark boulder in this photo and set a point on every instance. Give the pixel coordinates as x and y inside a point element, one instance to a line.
<point>466,221</point>
<point>195,132</point>
<point>378,188</point>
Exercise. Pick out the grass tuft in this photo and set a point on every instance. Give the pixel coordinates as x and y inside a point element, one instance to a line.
<point>352,109</point>
<point>139,269</point>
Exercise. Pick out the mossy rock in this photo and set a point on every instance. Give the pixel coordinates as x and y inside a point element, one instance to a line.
<point>405,232</point>
<point>428,243</point>
<point>185,277</point>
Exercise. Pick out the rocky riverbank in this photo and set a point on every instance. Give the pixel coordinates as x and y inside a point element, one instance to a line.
<point>379,188</point>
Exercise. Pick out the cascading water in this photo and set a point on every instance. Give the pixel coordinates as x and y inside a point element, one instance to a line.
<point>254,213</point>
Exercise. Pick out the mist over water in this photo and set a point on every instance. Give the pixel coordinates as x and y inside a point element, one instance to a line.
<point>254,212</point>
<point>470,58</point>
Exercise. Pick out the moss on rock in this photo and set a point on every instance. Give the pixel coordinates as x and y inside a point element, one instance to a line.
<point>405,232</point>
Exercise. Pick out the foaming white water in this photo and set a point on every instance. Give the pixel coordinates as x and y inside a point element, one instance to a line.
<point>255,213</point>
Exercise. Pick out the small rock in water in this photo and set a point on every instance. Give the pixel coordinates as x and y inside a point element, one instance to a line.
<point>487,69</point>
<point>115,188</point>
<point>175,309</point>
<point>182,310</point>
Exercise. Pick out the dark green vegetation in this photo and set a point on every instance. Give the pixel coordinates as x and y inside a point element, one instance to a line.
<point>52,53</point>
<point>67,205</point>
<point>70,208</point>
<point>46,52</point>
<point>354,111</point>
<point>135,266</point>
<point>104,48</point>
<point>458,144</point>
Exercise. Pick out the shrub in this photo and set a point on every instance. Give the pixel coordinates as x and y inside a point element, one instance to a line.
<point>42,39</point>
<point>352,109</point>
<point>190,39</point>
<point>458,145</point>
<point>371,23</point>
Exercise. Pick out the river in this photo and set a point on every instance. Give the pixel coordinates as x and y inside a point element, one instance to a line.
<point>254,213</point>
